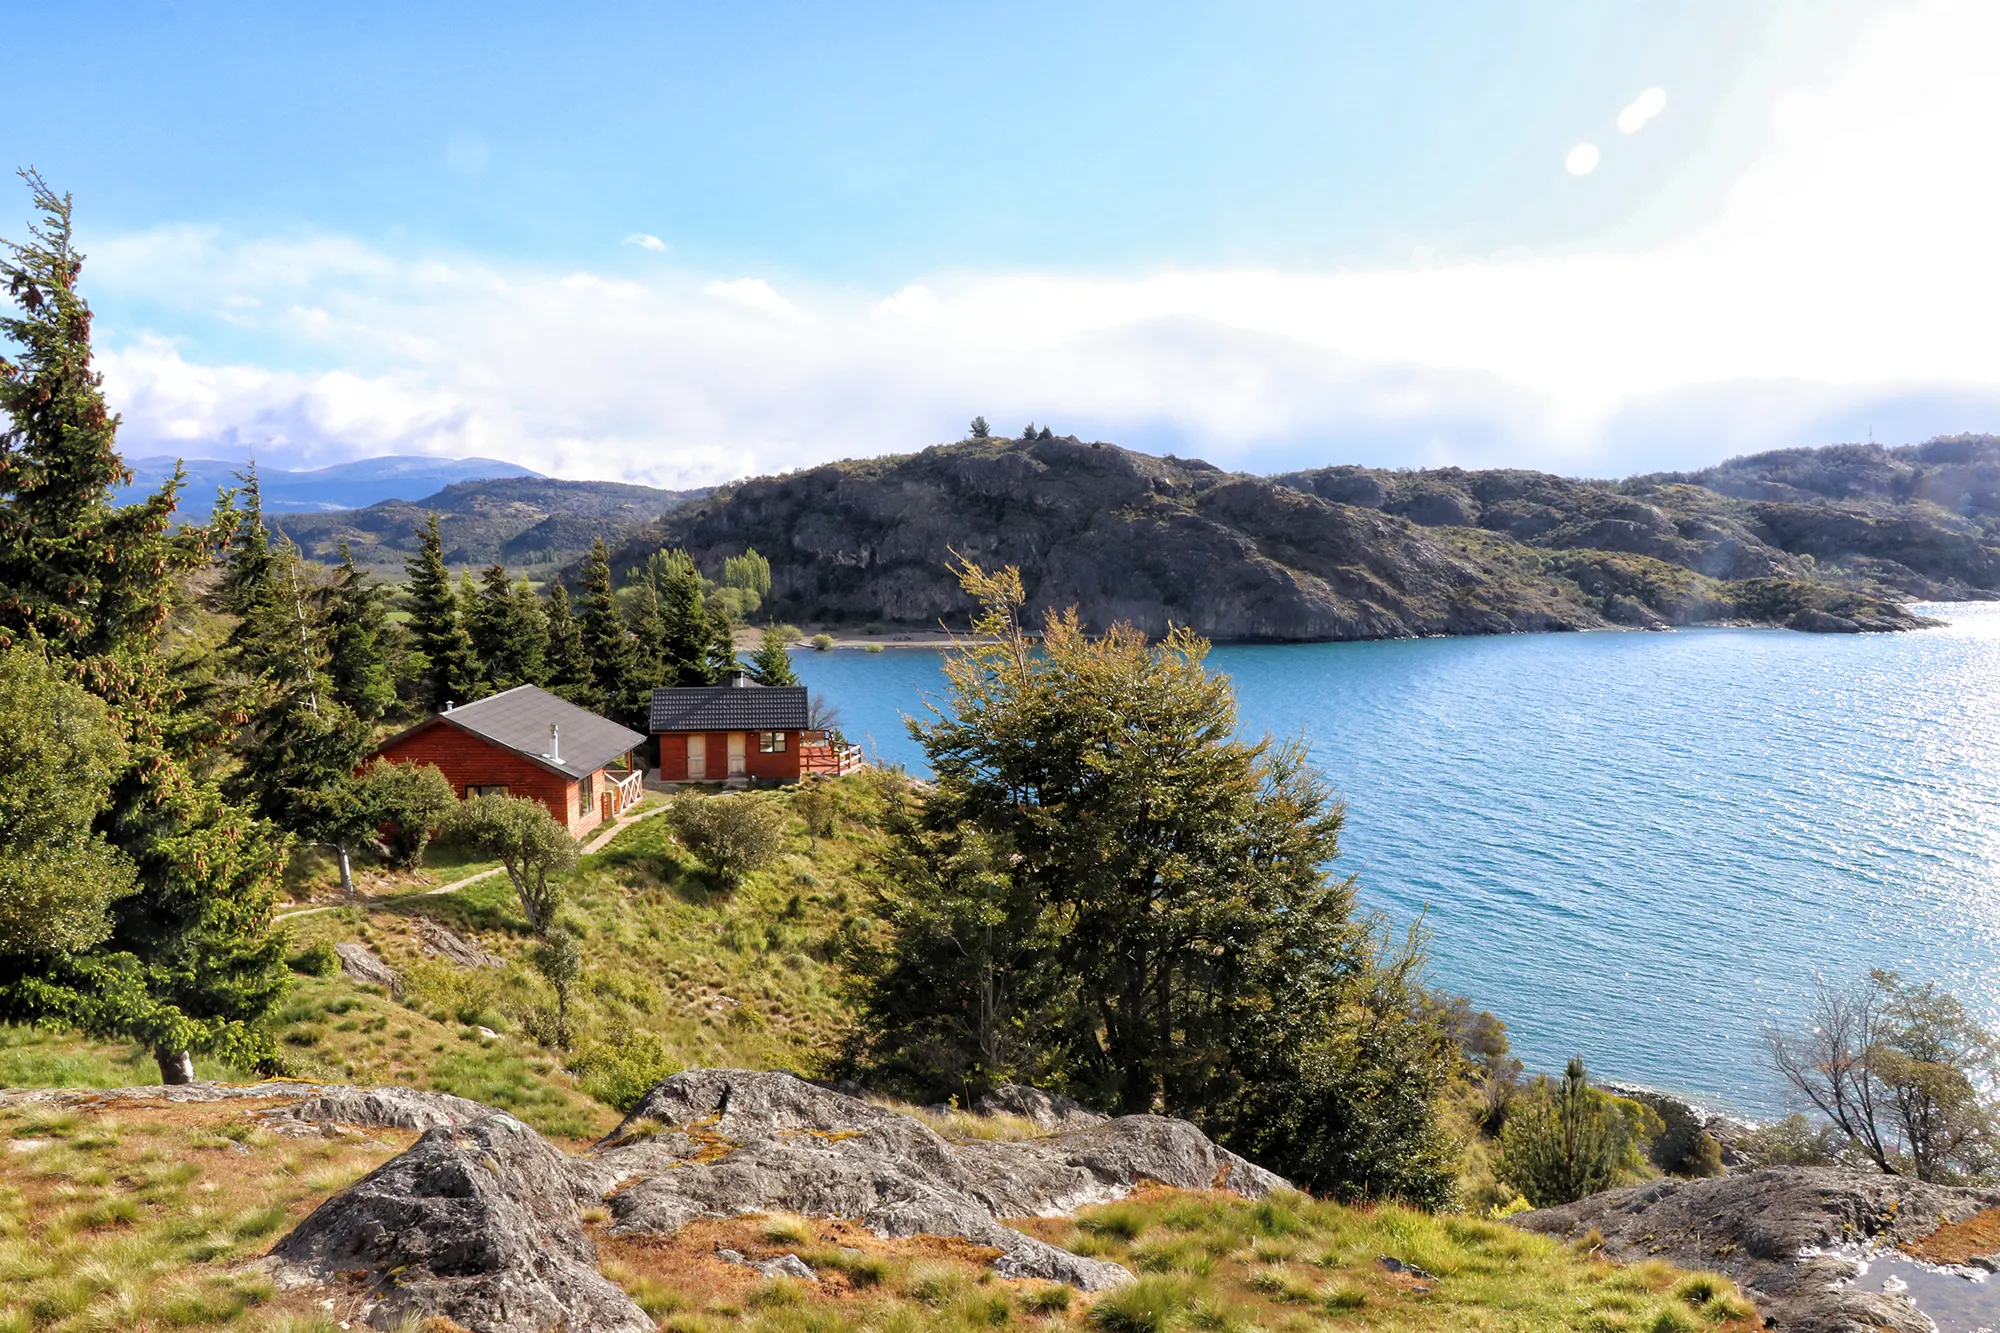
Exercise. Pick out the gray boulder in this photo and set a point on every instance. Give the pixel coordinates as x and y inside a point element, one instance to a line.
<point>388,1108</point>
<point>721,1143</point>
<point>1788,1235</point>
<point>357,962</point>
<point>1048,1110</point>
<point>477,1223</point>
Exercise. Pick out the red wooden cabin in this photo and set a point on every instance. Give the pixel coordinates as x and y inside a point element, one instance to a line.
<point>527,742</point>
<point>741,732</point>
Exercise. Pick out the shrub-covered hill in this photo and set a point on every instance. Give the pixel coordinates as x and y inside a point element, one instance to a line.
<point>1336,553</point>
<point>517,521</point>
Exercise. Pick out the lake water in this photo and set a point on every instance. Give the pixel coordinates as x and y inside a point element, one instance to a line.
<point>1640,848</point>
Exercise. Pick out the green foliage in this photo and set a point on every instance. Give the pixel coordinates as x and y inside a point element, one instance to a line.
<point>750,572</point>
<point>365,653</point>
<point>620,1072</point>
<point>1903,1072</point>
<point>525,838</point>
<point>979,430</point>
<point>191,959</point>
<point>685,630</point>
<point>58,875</point>
<point>813,803</point>
<point>734,834</point>
<point>451,670</point>
<point>772,664</point>
<point>560,961</point>
<point>412,801</point>
<point>510,631</point>
<point>566,666</point>
<point>822,642</point>
<point>1795,1141</point>
<point>1560,1143</point>
<point>1108,888</point>
<point>315,960</point>
<point>616,670</point>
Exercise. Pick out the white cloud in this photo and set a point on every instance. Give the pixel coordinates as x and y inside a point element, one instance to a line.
<point>646,242</point>
<point>1644,107</point>
<point>1847,278</point>
<point>1581,160</point>
<point>755,294</point>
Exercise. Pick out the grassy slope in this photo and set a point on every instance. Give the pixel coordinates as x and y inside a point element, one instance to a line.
<point>140,1216</point>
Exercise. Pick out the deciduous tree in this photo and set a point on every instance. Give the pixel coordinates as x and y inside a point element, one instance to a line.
<point>527,841</point>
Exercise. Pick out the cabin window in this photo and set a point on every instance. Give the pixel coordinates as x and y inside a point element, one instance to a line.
<point>472,790</point>
<point>770,742</point>
<point>586,791</point>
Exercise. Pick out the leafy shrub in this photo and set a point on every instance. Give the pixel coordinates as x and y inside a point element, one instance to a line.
<point>1560,1143</point>
<point>411,801</point>
<point>1795,1141</point>
<point>619,1073</point>
<point>315,960</point>
<point>733,835</point>
<point>822,642</point>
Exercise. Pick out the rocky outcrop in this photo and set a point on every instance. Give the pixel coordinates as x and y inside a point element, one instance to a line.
<point>479,1221</point>
<point>1789,1235</point>
<point>476,1223</point>
<point>721,1143</point>
<point>357,962</point>
<point>1330,554</point>
<point>1045,1110</point>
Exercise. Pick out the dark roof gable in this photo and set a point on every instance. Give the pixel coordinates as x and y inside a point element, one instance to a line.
<point>729,708</point>
<point>519,720</point>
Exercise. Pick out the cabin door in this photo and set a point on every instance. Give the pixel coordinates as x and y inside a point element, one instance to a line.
<point>739,763</point>
<point>697,757</point>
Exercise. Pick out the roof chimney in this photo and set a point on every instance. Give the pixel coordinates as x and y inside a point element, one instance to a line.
<point>739,679</point>
<point>555,746</point>
<point>447,705</point>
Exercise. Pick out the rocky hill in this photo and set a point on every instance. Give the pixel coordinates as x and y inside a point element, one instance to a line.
<point>519,521</point>
<point>1335,553</point>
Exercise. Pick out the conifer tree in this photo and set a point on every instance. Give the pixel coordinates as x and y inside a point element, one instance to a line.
<point>567,667</point>
<point>509,634</point>
<point>772,664</point>
<point>248,564</point>
<point>191,961</point>
<point>362,650</point>
<point>649,633</point>
<point>299,743</point>
<point>686,632</point>
<point>719,652</point>
<point>451,668</point>
<point>607,644</point>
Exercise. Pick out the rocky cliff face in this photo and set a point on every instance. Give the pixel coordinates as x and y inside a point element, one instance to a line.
<point>1337,553</point>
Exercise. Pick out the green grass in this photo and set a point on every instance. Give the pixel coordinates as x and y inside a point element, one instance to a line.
<point>145,1218</point>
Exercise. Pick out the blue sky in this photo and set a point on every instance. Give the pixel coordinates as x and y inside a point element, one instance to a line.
<point>679,243</point>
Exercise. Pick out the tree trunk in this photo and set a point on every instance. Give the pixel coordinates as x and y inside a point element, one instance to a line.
<point>346,871</point>
<point>175,1066</point>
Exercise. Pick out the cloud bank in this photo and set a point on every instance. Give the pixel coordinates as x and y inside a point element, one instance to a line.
<point>1842,285</point>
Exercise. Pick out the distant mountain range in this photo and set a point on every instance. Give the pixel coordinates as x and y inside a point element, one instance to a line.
<point>524,522</point>
<point>353,485</point>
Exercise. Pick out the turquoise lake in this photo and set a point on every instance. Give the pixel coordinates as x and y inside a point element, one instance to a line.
<point>1640,848</point>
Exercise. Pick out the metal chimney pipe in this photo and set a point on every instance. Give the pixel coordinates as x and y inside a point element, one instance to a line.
<point>555,748</point>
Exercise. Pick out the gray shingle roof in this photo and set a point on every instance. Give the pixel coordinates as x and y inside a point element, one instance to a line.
<point>729,708</point>
<point>520,719</point>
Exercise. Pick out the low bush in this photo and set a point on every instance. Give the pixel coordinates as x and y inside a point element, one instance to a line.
<point>733,835</point>
<point>315,960</point>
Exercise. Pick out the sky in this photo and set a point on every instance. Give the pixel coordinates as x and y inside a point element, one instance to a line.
<point>680,243</point>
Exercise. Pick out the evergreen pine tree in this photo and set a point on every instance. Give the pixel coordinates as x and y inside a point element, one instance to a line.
<point>451,667</point>
<point>528,634</point>
<point>686,634</point>
<point>607,644</point>
<point>361,641</point>
<point>719,652</point>
<point>299,744</point>
<point>567,667</point>
<point>249,562</point>
<point>649,634</point>
<point>772,664</point>
<point>509,634</point>
<point>191,961</point>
